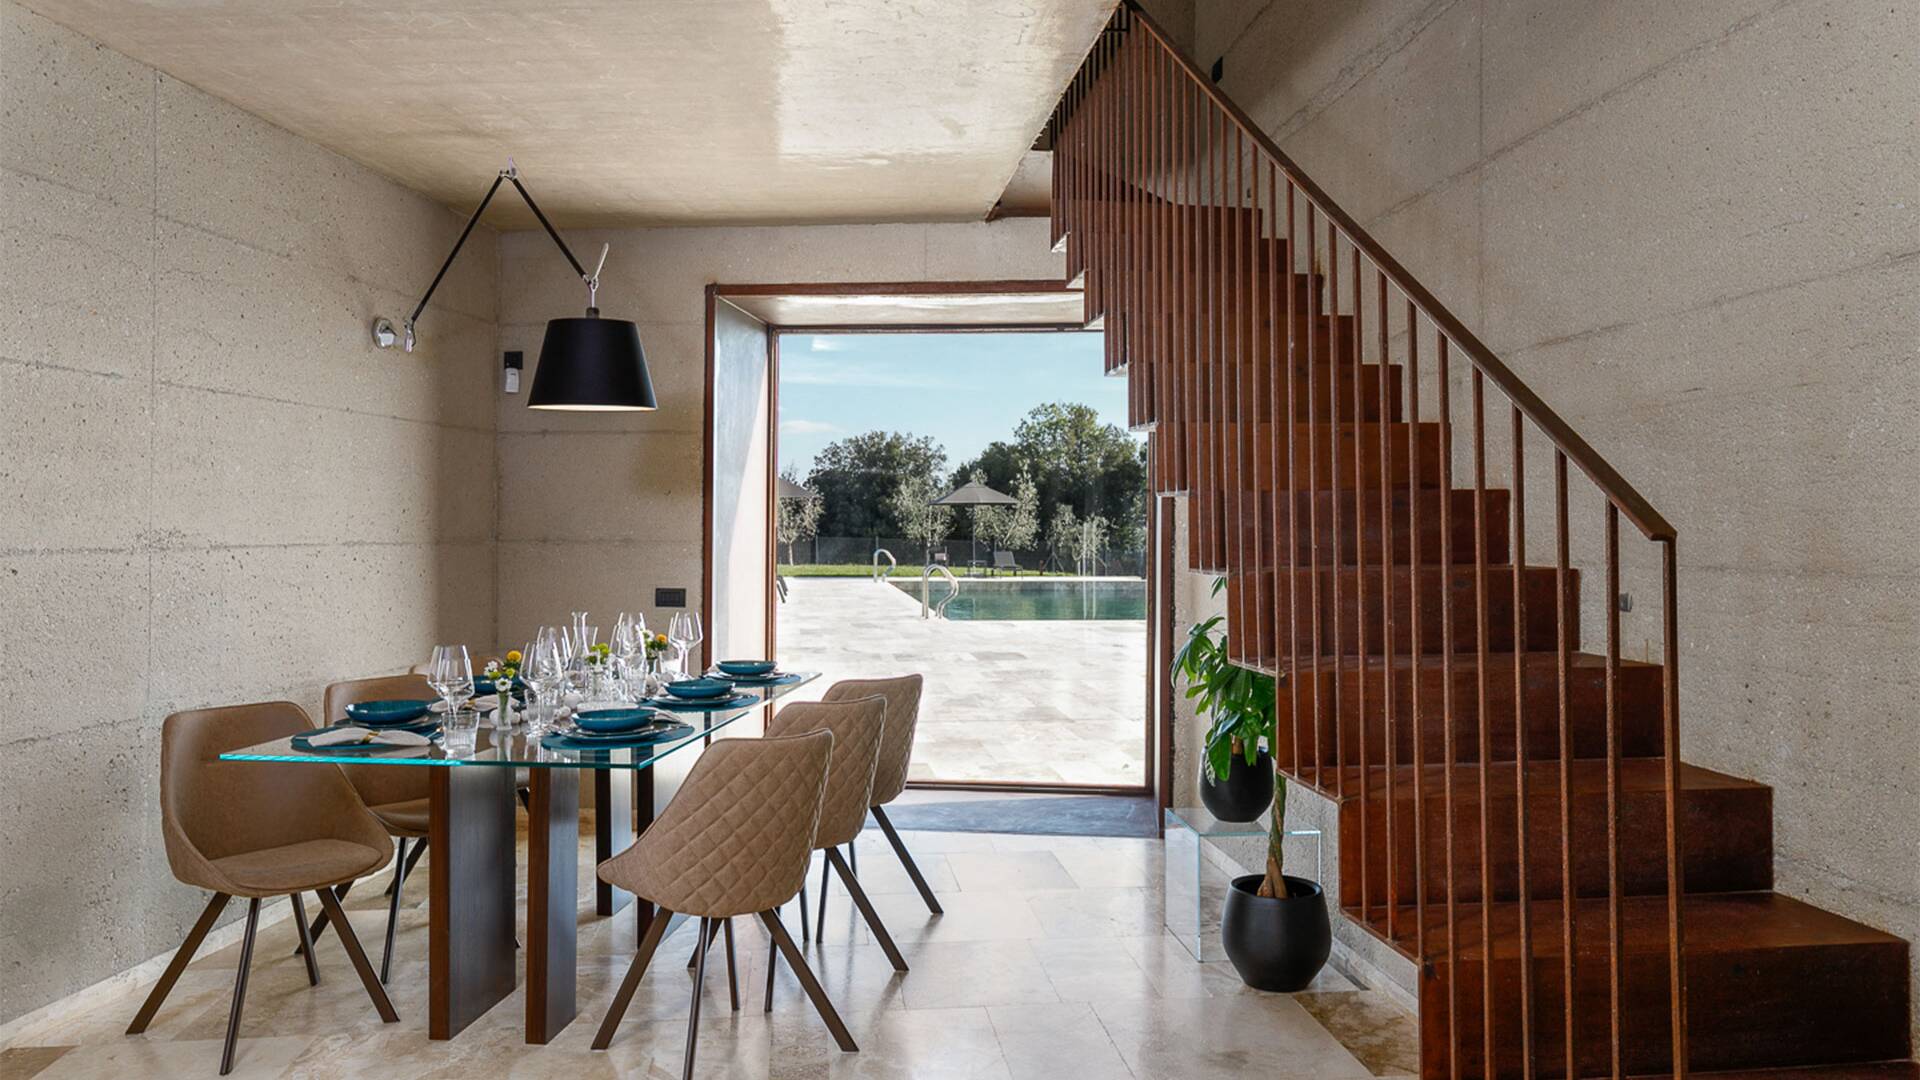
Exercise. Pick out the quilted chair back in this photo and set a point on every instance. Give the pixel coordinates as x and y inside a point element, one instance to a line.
<point>380,785</point>
<point>903,712</point>
<point>859,728</point>
<point>736,837</point>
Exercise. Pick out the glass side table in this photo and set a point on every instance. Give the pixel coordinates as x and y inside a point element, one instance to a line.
<point>1195,886</point>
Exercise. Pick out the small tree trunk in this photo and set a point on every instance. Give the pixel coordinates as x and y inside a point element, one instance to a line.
<point>1273,884</point>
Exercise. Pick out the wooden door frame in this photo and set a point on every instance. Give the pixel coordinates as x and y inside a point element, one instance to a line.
<point>1158,721</point>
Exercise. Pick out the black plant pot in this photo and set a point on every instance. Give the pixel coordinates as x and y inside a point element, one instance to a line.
<point>1245,793</point>
<point>1276,943</point>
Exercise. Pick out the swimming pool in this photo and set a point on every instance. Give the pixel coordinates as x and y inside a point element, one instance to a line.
<point>1029,599</point>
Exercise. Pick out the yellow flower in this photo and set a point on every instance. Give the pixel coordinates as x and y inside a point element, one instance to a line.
<point>513,656</point>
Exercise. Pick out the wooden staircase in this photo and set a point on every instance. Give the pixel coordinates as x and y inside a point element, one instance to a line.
<point>1513,812</point>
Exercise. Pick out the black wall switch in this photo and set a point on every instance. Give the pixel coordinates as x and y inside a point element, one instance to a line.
<point>669,598</point>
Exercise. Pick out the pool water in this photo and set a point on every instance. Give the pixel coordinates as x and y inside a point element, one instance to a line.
<point>1027,599</point>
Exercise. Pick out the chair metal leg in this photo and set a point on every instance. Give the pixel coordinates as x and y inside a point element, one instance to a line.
<point>693,1011</point>
<point>733,977</point>
<point>815,992</point>
<point>820,920</point>
<point>853,853</point>
<point>419,849</point>
<point>215,905</point>
<point>306,939</point>
<point>320,921</point>
<point>393,908</point>
<point>900,849</point>
<point>656,930</point>
<point>240,985</point>
<point>806,926</point>
<point>381,1003</point>
<point>866,910</point>
<point>773,959</point>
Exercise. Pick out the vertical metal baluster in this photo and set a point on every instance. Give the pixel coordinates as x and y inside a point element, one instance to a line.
<point>1447,718</point>
<point>1362,721</point>
<point>1234,294</point>
<point>1313,501</point>
<point>1517,555</point>
<point>1562,628</point>
<point>1222,342</point>
<point>1334,347</point>
<point>1285,442</point>
<point>1480,633</point>
<point>1416,651</point>
<point>1615,930</point>
<point>1256,391</point>
<point>1670,747</point>
<point>1390,754</point>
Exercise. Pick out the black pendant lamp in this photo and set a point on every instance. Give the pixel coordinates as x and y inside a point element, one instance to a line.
<point>588,364</point>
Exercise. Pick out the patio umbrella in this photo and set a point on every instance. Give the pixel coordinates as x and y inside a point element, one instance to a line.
<point>974,493</point>
<point>791,490</point>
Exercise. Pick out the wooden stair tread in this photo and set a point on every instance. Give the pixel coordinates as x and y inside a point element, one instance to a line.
<point>1877,1070</point>
<point>1586,776</point>
<point>1715,923</point>
<point>1497,662</point>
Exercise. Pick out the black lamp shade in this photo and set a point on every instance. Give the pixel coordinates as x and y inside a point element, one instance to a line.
<point>591,365</point>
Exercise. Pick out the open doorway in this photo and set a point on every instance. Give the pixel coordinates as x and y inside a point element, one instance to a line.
<point>964,436</point>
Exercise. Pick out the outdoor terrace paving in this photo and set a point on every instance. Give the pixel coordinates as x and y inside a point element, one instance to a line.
<point>1054,701</point>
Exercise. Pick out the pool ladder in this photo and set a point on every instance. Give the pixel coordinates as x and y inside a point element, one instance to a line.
<point>892,564</point>
<point>938,610</point>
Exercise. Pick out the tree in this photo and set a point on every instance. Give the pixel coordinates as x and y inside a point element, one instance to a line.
<point>856,477</point>
<point>796,519</point>
<point>1020,525</point>
<point>1076,461</point>
<point>1063,535</point>
<point>912,505</point>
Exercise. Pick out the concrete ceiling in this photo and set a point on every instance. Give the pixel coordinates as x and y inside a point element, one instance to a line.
<point>623,112</point>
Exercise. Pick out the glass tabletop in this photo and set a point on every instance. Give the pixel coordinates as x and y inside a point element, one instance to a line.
<point>517,749</point>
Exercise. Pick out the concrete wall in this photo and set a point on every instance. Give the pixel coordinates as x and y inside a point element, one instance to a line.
<point>599,509</point>
<point>212,488</point>
<point>1695,229</point>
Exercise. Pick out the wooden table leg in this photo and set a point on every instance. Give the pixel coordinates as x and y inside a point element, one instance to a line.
<point>553,865</point>
<point>471,902</point>
<point>612,832</point>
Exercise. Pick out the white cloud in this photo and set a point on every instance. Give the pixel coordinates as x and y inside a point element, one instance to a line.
<point>824,344</point>
<point>807,427</point>
<point>877,374</point>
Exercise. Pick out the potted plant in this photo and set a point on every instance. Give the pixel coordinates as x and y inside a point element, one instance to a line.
<point>1273,926</point>
<point>1236,771</point>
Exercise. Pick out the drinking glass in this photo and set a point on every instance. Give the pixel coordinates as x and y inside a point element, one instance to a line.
<point>450,673</point>
<point>680,635</point>
<point>546,673</point>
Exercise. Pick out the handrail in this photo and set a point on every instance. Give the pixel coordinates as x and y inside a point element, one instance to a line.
<point>926,590</point>
<point>893,564</point>
<point>1630,502</point>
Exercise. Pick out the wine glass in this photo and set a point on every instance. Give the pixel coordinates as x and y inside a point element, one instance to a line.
<point>695,635</point>
<point>546,672</point>
<point>680,636</point>
<point>450,673</point>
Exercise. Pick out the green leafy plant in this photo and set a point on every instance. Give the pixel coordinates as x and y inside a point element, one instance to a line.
<point>1239,703</point>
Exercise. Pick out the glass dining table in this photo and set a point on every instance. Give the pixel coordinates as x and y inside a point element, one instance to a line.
<point>471,905</point>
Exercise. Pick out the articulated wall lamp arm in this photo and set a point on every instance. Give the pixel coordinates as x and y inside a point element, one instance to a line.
<point>383,335</point>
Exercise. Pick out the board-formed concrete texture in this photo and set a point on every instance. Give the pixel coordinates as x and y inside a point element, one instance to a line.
<point>213,489</point>
<point>1695,230</point>
<point>623,113</point>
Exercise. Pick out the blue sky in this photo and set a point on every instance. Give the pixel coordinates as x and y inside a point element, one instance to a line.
<point>965,390</point>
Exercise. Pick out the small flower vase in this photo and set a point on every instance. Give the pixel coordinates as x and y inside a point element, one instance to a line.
<point>505,711</point>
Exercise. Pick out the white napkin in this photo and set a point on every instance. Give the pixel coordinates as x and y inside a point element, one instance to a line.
<point>479,704</point>
<point>349,735</point>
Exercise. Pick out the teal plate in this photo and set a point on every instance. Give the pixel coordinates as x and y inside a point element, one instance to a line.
<point>778,678</point>
<point>560,741</point>
<point>387,713</point>
<point>613,721</point>
<point>731,701</point>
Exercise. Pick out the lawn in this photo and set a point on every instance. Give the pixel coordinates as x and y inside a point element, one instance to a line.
<point>844,571</point>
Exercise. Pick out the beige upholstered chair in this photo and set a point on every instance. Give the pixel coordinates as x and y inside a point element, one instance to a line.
<point>896,754</point>
<point>398,797</point>
<point>734,841</point>
<point>859,729</point>
<point>258,831</point>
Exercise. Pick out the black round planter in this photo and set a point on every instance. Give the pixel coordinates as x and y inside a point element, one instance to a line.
<point>1276,943</point>
<point>1245,794</point>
